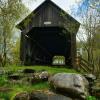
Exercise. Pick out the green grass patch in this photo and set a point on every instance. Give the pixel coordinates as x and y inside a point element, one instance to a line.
<point>4,96</point>
<point>50,69</point>
<point>91,98</point>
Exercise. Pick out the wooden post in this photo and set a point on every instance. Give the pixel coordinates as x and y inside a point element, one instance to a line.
<point>78,61</point>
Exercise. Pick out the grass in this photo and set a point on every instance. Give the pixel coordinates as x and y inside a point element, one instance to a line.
<point>16,88</point>
<point>91,98</point>
<point>4,96</point>
<point>52,70</point>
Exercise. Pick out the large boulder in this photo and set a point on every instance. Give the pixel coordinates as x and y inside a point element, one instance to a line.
<point>74,85</point>
<point>47,95</point>
<point>40,95</point>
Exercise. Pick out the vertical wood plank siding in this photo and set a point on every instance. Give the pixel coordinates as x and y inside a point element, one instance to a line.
<point>48,17</point>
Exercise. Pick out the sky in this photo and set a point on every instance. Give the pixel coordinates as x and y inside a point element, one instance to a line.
<point>64,4</point>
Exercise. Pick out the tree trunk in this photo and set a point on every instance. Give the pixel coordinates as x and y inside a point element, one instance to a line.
<point>4,50</point>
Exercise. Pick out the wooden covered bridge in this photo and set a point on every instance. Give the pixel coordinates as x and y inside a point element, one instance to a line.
<point>48,32</point>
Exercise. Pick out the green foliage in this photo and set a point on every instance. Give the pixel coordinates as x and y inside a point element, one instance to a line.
<point>4,96</point>
<point>89,40</point>
<point>16,52</point>
<point>91,98</point>
<point>97,39</point>
<point>10,12</point>
<point>41,86</point>
<point>3,80</point>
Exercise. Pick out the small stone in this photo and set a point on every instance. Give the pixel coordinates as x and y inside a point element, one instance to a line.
<point>22,96</point>
<point>90,76</point>
<point>44,75</point>
<point>20,71</point>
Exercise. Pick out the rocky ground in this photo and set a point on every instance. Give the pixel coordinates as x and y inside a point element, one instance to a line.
<point>62,86</point>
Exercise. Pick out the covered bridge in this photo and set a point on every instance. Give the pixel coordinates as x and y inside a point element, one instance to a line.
<point>47,32</point>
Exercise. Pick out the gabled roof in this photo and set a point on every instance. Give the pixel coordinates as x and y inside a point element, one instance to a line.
<point>48,1</point>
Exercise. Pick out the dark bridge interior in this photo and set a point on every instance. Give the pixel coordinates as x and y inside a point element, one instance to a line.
<point>46,42</point>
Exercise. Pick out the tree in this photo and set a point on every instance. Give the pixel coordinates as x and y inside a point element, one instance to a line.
<point>10,12</point>
<point>84,5</point>
<point>88,10</point>
<point>95,4</point>
<point>15,52</point>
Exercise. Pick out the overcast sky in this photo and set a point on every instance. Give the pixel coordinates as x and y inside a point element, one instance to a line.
<point>64,4</point>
